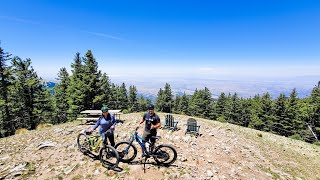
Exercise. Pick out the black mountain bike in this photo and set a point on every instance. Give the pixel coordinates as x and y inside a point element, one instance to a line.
<point>89,143</point>
<point>163,154</point>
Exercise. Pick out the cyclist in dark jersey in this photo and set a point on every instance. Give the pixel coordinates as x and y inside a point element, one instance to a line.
<point>152,123</point>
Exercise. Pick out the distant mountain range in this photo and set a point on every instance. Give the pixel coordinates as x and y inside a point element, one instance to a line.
<point>149,87</point>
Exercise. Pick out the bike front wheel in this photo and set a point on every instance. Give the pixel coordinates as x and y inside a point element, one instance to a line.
<point>83,143</point>
<point>109,157</point>
<point>165,155</point>
<point>127,152</point>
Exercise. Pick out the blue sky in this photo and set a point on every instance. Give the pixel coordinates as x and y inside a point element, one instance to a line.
<point>217,39</point>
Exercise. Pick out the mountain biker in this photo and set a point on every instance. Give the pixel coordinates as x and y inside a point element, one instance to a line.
<point>152,124</point>
<point>107,125</point>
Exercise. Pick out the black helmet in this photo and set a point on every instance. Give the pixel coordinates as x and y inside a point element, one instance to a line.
<point>150,106</point>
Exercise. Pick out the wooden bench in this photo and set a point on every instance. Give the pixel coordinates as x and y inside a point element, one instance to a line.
<point>170,123</point>
<point>192,127</point>
<point>93,115</point>
<point>88,120</point>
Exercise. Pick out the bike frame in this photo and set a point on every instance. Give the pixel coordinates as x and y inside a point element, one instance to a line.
<point>92,139</point>
<point>137,138</point>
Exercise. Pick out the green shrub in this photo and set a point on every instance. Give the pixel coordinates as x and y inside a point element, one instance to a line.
<point>221,119</point>
<point>317,143</point>
<point>296,136</point>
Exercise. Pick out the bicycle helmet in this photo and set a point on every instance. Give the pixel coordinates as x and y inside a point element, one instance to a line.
<point>104,108</point>
<point>150,106</point>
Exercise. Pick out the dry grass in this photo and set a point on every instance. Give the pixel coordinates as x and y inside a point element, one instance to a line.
<point>234,152</point>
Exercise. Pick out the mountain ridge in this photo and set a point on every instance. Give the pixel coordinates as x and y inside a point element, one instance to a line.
<point>223,151</point>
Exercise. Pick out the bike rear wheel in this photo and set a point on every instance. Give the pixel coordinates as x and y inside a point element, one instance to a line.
<point>109,157</point>
<point>83,143</point>
<point>165,155</point>
<point>127,152</point>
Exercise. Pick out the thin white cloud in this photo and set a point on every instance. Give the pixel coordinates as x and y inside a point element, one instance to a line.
<point>10,18</point>
<point>103,35</point>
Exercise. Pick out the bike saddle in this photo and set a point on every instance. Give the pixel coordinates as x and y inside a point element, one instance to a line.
<point>156,137</point>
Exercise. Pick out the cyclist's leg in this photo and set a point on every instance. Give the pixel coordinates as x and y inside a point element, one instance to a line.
<point>146,137</point>
<point>111,140</point>
<point>104,141</point>
<point>152,140</point>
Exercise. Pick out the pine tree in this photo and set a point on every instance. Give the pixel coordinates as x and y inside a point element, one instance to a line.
<point>176,108</point>
<point>184,104</point>
<point>200,103</point>
<point>256,113</point>
<point>27,94</point>
<point>280,124</point>
<point>114,102</point>
<point>221,107</point>
<point>292,125</point>
<point>91,78</point>
<point>6,125</point>
<point>61,105</point>
<point>314,120</point>
<point>194,104</point>
<point>235,111</point>
<point>43,105</point>
<point>246,112</point>
<point>142,104</point>
<point>160,101</point>
<point>265,112</point>
<point>168,98</point>
<point>133,99</point>
<point>103,96</point>
<point>75,91</point>
<point>123,97</point>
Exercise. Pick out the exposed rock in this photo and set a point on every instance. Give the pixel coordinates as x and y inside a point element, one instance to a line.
<point>209,173</point>
<point>46,144</point>
<point>97,172</point>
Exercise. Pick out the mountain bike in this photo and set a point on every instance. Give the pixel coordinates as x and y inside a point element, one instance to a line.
<point>91,143</point>
<point>163,154</point>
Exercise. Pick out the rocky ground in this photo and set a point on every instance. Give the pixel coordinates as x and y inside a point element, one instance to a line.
<point>223,151</point>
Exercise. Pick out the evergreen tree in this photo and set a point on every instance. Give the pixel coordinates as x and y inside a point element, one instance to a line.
<point>200,103</point>
<point>133,99</point>
<point>76,91</point>
<point>314,120</point>
<point>184,104</point>
<point>123,96</point>
<point>103,96</point>
<point>61,105</point>
<point>43,105</point>
<point>6,124</point>
<point>168,99</point>
<point>292,125</point>
<point>265,112</point>
<point>160,101</point>
<point>115,102</point>
<point>280,124</point>
<point>27,94</point>
<point>246,112</point>
<point>235,111</point>
<point>142,104</point>
<point>221,107</point>
<point>91,78</point>
<point>256,110</point>
<point>176,108</point>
